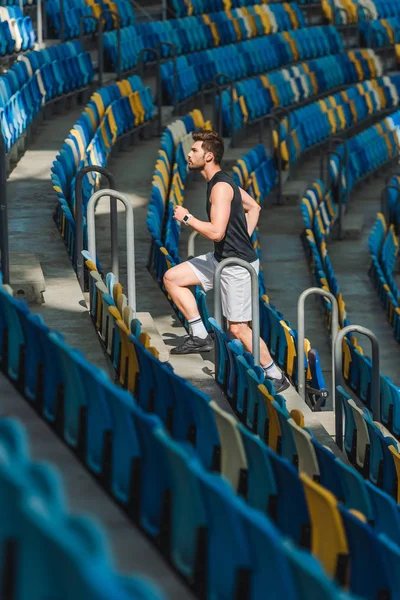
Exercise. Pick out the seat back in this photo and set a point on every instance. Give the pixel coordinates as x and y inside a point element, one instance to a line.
<point>329,543</point>
<point>233,455</point>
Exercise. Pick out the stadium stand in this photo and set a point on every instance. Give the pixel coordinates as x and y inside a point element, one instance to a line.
<point>101,422</point>
<point>249,500</point>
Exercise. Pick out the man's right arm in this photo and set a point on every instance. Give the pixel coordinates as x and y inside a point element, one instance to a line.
<point>252,210</point>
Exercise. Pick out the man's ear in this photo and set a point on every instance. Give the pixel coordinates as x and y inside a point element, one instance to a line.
<point>209,157</point>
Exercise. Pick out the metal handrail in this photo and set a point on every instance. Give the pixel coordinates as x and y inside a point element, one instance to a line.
<point>130,238</point>
<point>255,309</point>
<point>301,375</point>
<point>79,223</point>
<point>191,243</point>
<point>375,383</point>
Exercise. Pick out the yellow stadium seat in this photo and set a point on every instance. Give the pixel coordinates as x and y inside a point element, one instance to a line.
<point>129,366</point>
<point>274,428</point>
<point>328,537</point>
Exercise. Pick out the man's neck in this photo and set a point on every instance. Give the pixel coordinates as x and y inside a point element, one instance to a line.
<point>209,171</point>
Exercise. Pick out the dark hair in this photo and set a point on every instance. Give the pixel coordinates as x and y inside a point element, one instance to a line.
<point>212,142</point>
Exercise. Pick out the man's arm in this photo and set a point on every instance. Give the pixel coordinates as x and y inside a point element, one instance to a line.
<point>221,199</point>
<point>252,210</point>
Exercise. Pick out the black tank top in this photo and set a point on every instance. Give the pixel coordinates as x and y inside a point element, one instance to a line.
<point>236,241</point>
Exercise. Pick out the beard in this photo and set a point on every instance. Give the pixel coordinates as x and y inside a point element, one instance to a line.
<point>198,167</point>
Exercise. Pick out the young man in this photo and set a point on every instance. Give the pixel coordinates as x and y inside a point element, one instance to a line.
<point>233,216</point>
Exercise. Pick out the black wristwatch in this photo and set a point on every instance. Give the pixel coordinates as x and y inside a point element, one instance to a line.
<point>186,218</point>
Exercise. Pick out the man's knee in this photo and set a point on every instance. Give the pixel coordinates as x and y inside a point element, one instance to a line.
<point>237,329</point>
<point>169,277</point>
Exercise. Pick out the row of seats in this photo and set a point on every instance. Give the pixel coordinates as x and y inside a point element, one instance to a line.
<point>168,191</point>
<point>352,11</point>
<point>75,10</point>
<point>384,248</point>
<point>112,111</point>
<point>366,152</point>
<point>37,78</point>
<point>319,216</point>
<point>256,173</point>
<point>313,124</point>
<point>158,467</point>
<point>248,58</point>
<point>193,34</point>
<point>199,7</point>
<point>379,33</point>
<point>257,97</point>
<point>35,515</point>
<point>16,31</point>
<point>370,447</point>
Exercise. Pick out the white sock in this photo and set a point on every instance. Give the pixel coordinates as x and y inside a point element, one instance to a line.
<point>272,371</point>
<point>197,329</point>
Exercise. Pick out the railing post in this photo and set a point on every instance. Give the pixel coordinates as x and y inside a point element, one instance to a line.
<point>385,201</point>
<point>130,238</point>
<point>81,32</point>
<point>375,384</point>
<point>39,24</point>
<point>5,259</point>
<point>140,66</point>
<point>255,309</point>
<point>344,169</point>
<point>275,121</point>
<point>79,223</point>
<point>174,55</point>
<point>219,84</point>
<point>329,183</point>
<point>301,375</point>
<point>191,243</point>
<point>62,21</point>
<point>113,13</point>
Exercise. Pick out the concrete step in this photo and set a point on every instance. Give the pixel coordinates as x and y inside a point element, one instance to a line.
<point>352,226</point>
<point>26,277</point>
<point>293,190</point>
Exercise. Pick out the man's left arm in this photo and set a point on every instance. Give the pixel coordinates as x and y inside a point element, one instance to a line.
<point>252,210</point>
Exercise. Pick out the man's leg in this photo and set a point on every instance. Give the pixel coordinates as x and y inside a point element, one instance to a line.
<point>243,332</point>
<point>176,281</point>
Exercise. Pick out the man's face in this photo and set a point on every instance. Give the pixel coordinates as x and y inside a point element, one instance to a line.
<point>196,157</point>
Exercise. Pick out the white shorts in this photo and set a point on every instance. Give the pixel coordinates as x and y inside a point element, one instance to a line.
<point>235,285</point>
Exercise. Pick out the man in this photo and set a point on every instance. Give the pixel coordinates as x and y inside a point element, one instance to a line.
<point>233,216</point>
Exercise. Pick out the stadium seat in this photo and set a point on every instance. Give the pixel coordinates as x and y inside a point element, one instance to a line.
<point>328,543</point>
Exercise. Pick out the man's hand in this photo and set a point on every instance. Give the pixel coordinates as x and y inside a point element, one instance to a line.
<point>180,212</point>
